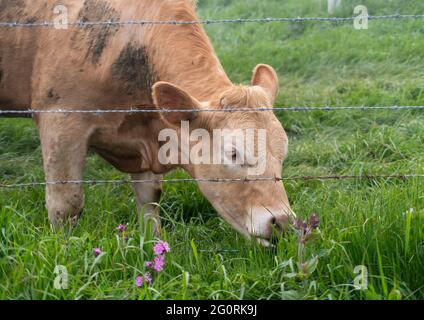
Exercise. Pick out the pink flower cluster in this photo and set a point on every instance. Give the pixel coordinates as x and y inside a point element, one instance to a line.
<point>305,228</point>
<point>160,249</point>
<point>146,279</point>
<point>122,228</point>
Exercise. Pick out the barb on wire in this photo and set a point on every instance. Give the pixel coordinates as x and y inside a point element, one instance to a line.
<point>219,180</point>
<point>82,24</point>
<point>229,110</point>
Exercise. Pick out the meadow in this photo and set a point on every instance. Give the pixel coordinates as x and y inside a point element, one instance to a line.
<point>378,224</point>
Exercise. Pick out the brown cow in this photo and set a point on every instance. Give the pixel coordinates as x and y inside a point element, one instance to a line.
<point>146,67</point>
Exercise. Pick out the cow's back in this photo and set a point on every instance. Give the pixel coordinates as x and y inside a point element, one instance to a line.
<point>93,66</point>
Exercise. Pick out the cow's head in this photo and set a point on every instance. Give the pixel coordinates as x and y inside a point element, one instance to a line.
<point>234,145</point>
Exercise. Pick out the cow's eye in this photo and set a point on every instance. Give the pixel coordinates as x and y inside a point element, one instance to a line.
<point>233,157</point>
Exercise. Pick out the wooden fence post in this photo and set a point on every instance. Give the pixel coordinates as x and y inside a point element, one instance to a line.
<point>333,5</point>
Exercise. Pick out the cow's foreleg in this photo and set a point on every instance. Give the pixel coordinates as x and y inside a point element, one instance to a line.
<point>64,148</point>
<point>147,195</point>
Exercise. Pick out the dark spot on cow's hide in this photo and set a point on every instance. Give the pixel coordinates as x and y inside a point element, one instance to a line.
<point>158,194</point>
<point>10,10</point>
<point>31,20</point>
<point>98,36</point>
<point>5,102</point>
<point>133,68</point>
<point>15,10</point>
<point>52,96</point>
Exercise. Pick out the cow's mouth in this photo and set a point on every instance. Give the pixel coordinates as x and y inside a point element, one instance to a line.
<point>264,242</point>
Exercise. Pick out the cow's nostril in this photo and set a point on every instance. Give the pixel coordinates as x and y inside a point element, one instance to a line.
<point>279,222</point>
<point>276,224</point>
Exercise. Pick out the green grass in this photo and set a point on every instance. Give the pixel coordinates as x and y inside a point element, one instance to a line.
<point>362,222</point>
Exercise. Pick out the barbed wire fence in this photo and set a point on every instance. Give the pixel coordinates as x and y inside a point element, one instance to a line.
<point>82,24</point>
<point>105,110</point>
<point>228,110</point>
<point>217,180</point>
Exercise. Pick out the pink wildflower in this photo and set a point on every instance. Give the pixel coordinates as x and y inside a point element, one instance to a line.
<point>161,247</point>
<point>122,227</point>
<point>159,263</point>
<point>314,221</point>
<point>166,246</point>
<point>148,277</point>
<point>97,251</point>
<point>148,264</point>
<point>139,281</point>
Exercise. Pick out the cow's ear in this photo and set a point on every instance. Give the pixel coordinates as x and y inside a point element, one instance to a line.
<point>265,77</point>
<point>169,97</point>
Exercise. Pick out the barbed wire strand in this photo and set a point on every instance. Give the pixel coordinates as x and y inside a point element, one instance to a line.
<point>112,23</point>
<point>229,110</point>
<point>218,180</point>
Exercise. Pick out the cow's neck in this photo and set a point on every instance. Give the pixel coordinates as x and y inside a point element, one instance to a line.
<point>183,55</point>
